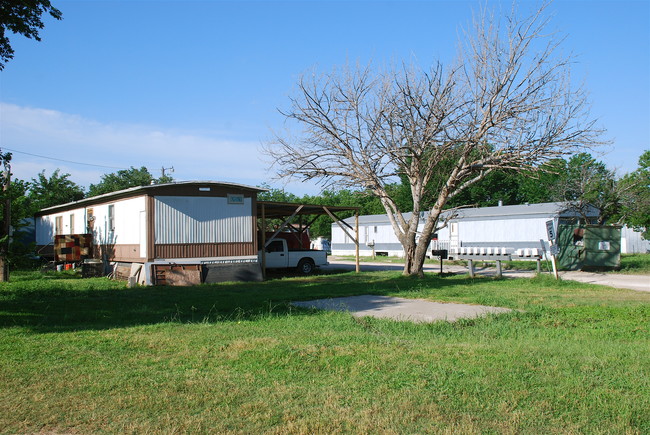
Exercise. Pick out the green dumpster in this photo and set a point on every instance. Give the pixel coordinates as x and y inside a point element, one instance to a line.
<point>589,247</point>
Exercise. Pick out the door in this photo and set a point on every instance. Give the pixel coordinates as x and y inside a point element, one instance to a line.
<point>454,239</point>
<point>143,234</point>
<point>276,254</point>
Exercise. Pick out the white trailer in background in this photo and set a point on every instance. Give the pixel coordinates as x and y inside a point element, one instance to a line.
<point>632,242</point>
<point>512,227</point>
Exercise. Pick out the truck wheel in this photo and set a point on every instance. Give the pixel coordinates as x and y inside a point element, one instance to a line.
<point>306,266</point>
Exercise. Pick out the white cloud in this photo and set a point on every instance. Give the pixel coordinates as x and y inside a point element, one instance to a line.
<point>76,139</point>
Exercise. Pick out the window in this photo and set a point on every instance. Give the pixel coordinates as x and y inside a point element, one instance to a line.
<point>72,223</point>
<point>111,217</point>
<point>90,220</point>
<point>275,246</point>
<point>58,225</point>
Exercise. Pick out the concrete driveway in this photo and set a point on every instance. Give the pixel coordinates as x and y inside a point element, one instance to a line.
<point>413,310</point>
<point>616,280</point>
<point>632,282</point>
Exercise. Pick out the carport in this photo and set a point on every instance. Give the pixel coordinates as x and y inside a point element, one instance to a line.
<point>298,217</point>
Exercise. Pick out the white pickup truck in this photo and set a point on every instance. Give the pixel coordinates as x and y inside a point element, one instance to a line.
<point>278,256</point>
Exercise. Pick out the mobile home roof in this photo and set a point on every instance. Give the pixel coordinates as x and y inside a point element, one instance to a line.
<point>139,190</point>
<point>548,209</point>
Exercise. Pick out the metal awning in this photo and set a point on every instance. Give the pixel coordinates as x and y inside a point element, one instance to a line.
<point>285,209</point>
<point>287,212</point>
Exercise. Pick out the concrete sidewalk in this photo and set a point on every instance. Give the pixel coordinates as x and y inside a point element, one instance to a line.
<point>616,280</point>
<point>413,310</point>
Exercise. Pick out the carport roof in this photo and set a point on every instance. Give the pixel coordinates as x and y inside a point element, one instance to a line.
<point>286,209</point>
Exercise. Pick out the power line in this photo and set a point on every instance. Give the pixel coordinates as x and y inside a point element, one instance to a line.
<point>63,160</point>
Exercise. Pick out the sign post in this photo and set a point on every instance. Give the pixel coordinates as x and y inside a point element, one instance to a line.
<point>550,232</point>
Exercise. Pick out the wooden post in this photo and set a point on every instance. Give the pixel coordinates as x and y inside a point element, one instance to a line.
<point>554,263</point>
<point>539,266</point>
<point>499,269</point>
<point>6,224</point>
<point>356,234</point>
<point>263,247</point>
<point>470,265</point>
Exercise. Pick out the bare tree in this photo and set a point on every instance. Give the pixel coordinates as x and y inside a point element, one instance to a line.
<point>507,104</point>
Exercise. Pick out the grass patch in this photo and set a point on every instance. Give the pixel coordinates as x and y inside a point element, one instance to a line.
<point>93,356</point>
<point>635,264</point>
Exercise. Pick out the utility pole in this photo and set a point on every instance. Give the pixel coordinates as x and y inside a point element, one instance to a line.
<point>163,169</point>
<point>5,226</point>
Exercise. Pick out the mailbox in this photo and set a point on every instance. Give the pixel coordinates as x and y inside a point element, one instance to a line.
<point>442,253</point>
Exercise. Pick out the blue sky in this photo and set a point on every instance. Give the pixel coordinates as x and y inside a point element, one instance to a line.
<point>196,84</point>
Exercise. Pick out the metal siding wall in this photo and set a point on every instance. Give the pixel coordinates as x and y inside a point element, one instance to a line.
<point>183,219</point>
<point>498,231</point>
<point>338,236</point>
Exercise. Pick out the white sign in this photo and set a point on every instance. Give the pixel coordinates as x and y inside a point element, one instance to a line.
<point>235,199</point>
<point>550,230</point>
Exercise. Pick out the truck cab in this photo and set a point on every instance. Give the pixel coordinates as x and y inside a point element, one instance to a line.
<point>278,256</point>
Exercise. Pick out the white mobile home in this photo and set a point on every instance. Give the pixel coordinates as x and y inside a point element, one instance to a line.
<point>175,223</point>
<point>512,227</point>
<point>632,242</point>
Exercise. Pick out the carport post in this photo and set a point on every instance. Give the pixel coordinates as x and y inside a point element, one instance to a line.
<point>263,247</point>
<point>356,234</point>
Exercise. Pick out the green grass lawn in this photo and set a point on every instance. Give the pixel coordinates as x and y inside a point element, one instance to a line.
<point>89,356</point>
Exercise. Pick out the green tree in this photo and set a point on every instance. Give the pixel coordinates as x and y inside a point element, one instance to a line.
<point>541,186</point>
<point>21,247</point>
<point>367,204</point>
<point>495,187</point>
<point>53,190</point>
<point>635,188</point>
<point>124,179</point>
<point>588,181</point>
<point>275,194</point>
<point>22,18</point>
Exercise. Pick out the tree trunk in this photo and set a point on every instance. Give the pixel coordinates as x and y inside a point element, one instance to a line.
<point>411,264</point>
<point>4,268</point>
<point>6,226</point>
<point>415,253</point>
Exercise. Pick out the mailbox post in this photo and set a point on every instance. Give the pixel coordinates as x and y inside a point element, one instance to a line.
<point>442,253</point>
